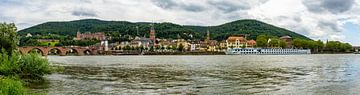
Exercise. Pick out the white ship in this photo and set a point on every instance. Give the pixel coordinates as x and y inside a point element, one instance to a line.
<point>266,51</point>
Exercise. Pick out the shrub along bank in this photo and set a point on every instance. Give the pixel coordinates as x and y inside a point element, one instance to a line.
<point>17,69</point>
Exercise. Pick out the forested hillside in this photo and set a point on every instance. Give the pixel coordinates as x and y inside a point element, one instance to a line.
<point>163,30</point>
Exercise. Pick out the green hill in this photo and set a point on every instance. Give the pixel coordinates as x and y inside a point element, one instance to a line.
<point>163,30</point>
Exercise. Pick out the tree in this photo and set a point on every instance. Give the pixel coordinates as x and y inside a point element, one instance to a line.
<point>283,44</point>
<point>142,48</point>
<point>157,47</point>
<point>274,42</point>
<point>168,48</point>
<point>298,43</point>
<point>173,47</point>
<point>162,48</point>
<point>151,48</point>
<point>345,47</point>
<point>231,47</point>
<point>319,46</point>
<point>137,48</point>
<point>261,41</point>
<point>243,46</point>
<point>127,47</point>
<point>181,47</point>
<point>336,46</point>
<point>8,38</point>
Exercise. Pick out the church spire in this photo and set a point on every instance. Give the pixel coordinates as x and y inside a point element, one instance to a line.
<point>208,35</point>
<point>152,33</point>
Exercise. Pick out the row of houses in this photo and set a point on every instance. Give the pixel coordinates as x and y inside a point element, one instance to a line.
<point>235,41</point>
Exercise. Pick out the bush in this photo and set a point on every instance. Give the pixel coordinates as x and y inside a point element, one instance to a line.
<point>10,86</point>
<point>33,66</point>
<point>9,63</point>
<point>30,66</point>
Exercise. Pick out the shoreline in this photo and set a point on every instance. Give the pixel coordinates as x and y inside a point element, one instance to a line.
<point>199,54</point>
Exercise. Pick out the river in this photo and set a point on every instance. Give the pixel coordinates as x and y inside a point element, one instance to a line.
<point>335,74</point>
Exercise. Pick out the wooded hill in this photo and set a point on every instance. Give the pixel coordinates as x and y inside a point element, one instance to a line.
<point>163,30</point>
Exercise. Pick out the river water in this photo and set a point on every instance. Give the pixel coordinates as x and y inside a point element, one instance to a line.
<point>335,74</point>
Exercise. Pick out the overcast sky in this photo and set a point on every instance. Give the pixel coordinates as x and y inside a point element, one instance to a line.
<point>317,19</point>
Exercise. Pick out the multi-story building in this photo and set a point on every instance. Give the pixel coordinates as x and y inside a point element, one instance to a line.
<point>212,45</point>
<point>138,42</point>
<point>88,35</point>
<point>164,43</point>
<point>288,40</point>
<point>236,41</point>
<point>222,44</point>
<point>194,45</point>
<point>239,41</point>
<point>182,42</point>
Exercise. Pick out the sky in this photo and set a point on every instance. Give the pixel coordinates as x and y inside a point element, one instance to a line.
<point>316,19</point>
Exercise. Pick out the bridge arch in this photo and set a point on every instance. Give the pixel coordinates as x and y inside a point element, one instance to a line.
<point>55,51</point>
<point>87,52</point>
<point>72,51</point>
<point>36,50</point>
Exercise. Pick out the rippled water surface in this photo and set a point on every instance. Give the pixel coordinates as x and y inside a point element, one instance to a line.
<point>251,74</point>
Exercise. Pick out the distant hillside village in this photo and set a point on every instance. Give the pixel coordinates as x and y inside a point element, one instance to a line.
<point>120,36</point>
<point>151,43</point>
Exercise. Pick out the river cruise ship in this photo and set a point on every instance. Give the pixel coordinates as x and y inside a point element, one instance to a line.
<point>266,51</point>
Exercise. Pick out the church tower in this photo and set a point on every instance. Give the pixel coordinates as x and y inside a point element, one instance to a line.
<point>78,35</point>
<point>207,40</point>
<point>152,34</point>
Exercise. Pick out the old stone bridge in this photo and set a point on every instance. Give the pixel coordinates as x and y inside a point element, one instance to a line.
<point>62,51</point>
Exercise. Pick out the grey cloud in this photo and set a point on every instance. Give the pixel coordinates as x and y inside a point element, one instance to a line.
<point>228,7</point>
<point>84,12</point>
<point>171,5</point>
<point>165,4</point>
<point>338,6</point>
<point>297,19</point>
<point>330,26</point>
<point>333,6</point>
<point>194,8</point>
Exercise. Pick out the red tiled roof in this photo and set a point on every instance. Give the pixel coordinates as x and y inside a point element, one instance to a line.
<point>234,38</point>
<point>251,42</point>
